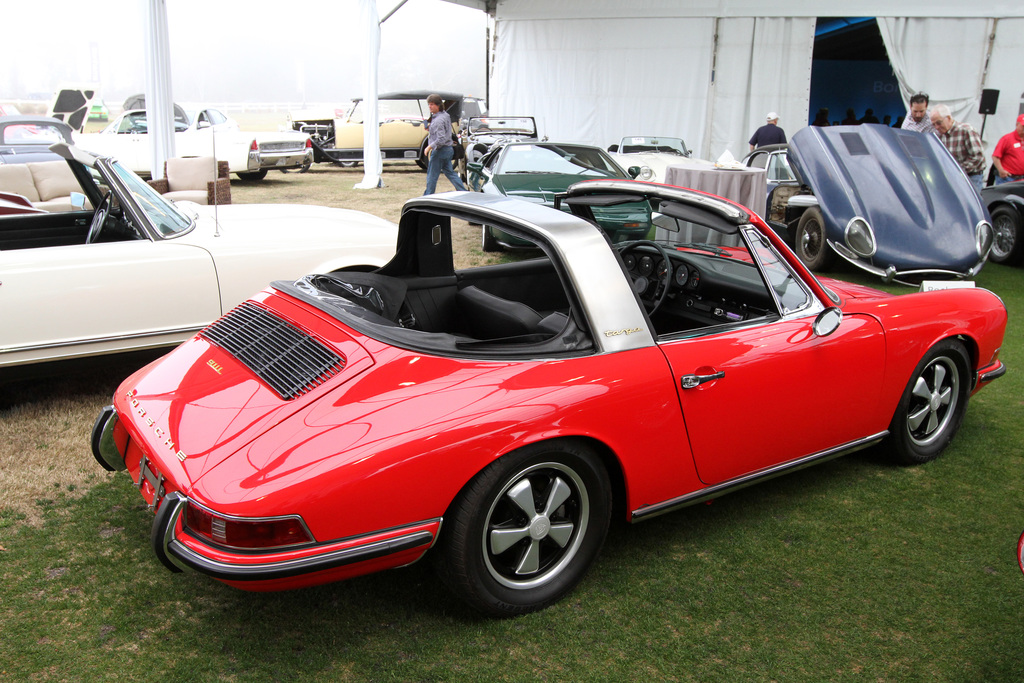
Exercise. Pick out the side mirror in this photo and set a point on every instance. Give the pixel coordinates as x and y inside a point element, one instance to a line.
<point>475,166</point>
<point>827,322</point>
<point>633,171</point>
<point>613,148</point>
<point>78,201</point>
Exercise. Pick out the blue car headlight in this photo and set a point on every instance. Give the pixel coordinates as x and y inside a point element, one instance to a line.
<point>983,238</point>
<point>860,238</point>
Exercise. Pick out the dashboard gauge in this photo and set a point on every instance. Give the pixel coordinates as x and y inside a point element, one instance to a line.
<point>664,271</point>
<point>630,261</point>
<point>682,276</point>
<point>646,265</point>
<point>694,279</point>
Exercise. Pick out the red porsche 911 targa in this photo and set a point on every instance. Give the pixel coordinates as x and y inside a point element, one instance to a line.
<point>492,418</point>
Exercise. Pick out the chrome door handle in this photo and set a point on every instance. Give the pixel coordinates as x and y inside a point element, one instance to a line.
<point>692,381</point>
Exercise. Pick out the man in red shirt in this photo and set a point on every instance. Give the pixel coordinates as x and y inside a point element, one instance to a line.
<point>1008,156</point>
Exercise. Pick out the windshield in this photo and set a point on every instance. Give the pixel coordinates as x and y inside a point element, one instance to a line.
<point>390,109</point>
<point>565,159</point>
<point>637,144</point>
<point>165,216</point>
<point>506,125</point>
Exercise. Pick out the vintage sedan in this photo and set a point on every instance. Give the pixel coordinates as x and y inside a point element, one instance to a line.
<point>891,202</point>
<point>1006,204</point>
<point>25,139</point>
<point>199,133</point>
<point>336,425</point>
<point>651,155</point>
<point>537,171</point>
<point>139,272</point>
<point>401,118</point>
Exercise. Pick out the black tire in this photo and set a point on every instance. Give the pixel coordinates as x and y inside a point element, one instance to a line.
<point>422,159</point>
<point>488,243</point>
<point>254,175</point>
<point>1006,237</point>
<point>525,530</point>
<point>933,404</point>
<point>810,243</point>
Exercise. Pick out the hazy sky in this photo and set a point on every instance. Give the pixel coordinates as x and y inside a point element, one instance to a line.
<point>241,50</point>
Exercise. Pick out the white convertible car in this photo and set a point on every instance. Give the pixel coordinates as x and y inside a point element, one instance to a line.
<point>651,155</point>
<point>198,133</point>
<point>140,272</point>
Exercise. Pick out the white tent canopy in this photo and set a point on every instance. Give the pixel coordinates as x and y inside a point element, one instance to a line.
<point>596,70</point>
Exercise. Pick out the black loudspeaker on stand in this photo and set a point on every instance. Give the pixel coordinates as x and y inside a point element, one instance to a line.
<point>989,100</point>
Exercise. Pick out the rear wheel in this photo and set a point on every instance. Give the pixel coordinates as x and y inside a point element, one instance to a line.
<point>810,242</point>
<point>1006,242</point>
<point>526,529</point>
<point>933,404</point>
<point>254,175</point>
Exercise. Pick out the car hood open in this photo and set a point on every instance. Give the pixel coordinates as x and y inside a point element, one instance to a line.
<point>922,208</point>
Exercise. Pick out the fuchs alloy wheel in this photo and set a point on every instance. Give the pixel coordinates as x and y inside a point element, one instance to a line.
<point>933,404</point>
<point>1006,237</point>
<point>810,242</point>
<point>526,529</point>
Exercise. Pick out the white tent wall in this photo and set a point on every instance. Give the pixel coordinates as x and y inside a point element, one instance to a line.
<point>1006,75</point>
<point>646,67</point>
<point>596,80</point>
<point>942,57</point>
<point>762,65</point>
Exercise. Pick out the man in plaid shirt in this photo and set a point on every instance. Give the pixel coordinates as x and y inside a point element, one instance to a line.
<point>963,142</point>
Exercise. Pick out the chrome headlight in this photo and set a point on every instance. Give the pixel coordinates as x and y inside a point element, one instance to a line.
<point>860,238</point>
<point>983,238</point>
<point>646,173</point>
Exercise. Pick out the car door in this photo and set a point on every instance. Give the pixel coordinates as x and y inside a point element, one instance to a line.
<point>65,301</point>
<point>769,393</point>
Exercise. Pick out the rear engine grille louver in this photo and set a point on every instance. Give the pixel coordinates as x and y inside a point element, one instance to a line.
<point>290,361</point>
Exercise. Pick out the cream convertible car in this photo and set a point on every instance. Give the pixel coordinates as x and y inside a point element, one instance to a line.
<point>140,272</point>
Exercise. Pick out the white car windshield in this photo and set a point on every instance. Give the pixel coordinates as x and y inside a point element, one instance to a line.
<point>164,215</point>
<point>643,144</point>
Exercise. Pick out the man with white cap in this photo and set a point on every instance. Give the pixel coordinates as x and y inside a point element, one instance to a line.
<point>769,133</point>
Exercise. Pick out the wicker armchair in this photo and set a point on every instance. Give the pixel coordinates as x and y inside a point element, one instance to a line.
<point>192,179</point>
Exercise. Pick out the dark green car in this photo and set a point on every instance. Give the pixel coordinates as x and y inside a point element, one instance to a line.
<point>537,171</point>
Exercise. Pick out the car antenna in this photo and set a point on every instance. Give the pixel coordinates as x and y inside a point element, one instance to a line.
<point>216,178</point>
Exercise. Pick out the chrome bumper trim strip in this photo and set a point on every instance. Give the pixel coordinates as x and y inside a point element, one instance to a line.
<point>725,487</point>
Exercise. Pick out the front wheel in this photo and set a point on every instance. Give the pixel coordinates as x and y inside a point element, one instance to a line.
<point>933,404</point>
<point>810,242</point>
<point>525,530</point>
<point>1006,242</point>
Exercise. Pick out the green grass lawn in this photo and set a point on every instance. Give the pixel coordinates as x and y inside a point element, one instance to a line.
<point>853,570</point>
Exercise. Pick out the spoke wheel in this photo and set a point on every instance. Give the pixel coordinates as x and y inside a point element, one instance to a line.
<point>526,529</point>
<point>933,404</point>
<point>1006,237</point>
<point>810,242</point>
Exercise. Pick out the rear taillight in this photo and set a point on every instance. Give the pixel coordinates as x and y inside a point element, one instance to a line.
<point>309,143</point>
<point>254,147</point>
<point>246,534</point>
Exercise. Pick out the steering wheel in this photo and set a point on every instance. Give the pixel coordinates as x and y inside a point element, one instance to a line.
<point>652,294</point>
<point>99,217</point>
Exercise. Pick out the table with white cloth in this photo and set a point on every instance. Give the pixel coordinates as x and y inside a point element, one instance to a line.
<point>746,186</point>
